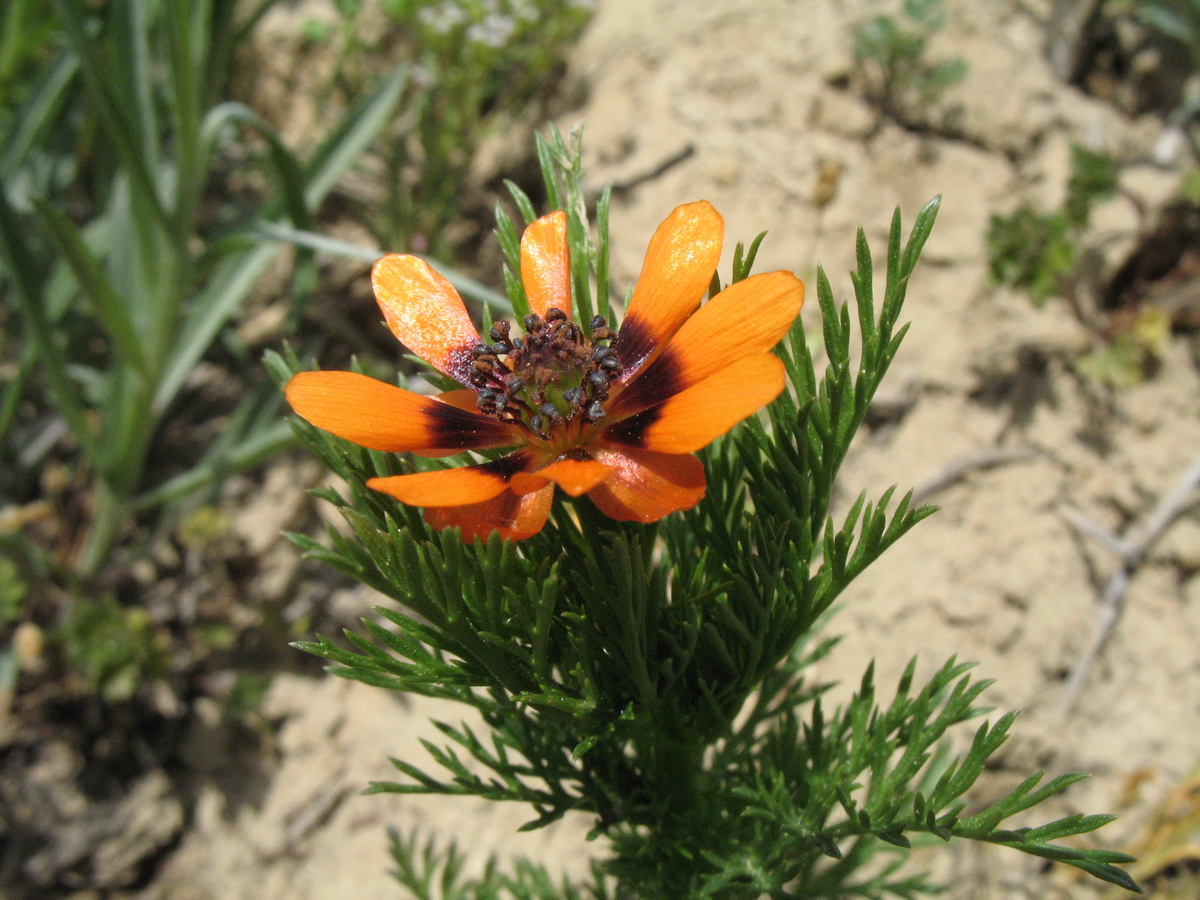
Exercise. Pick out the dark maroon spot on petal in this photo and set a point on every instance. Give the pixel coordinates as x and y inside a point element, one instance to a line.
<point>634,342</point>
<point>663,379</point>
<point>451,427</point>
<point>507,508</point>
<point>507,466</point>
<point>632,431</point>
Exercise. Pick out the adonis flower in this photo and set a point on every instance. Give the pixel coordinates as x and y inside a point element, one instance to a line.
<point>614,414</point>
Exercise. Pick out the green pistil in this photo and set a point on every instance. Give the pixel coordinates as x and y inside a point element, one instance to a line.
<point>553,376</point>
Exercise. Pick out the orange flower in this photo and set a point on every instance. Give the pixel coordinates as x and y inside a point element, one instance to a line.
<point>615,415</point>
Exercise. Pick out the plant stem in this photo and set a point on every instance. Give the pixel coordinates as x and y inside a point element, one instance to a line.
<point>675,773</point>
<point>108,515</point>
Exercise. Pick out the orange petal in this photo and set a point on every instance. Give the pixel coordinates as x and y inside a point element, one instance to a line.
<point>546,264</point>
<point>381,416</point>
<point>462,399</point>
<point>678,269</point>
<point>575,476</point>
<point>512,516</point>
<point>703,412</point>
<point>465,399</point>
<point>453,487</point>
<point>425,313</point>
<point>645,486</point>
<point>746,319</point>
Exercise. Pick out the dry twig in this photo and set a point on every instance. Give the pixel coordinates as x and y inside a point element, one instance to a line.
<point>1132,553</point>
<point>964,465</point>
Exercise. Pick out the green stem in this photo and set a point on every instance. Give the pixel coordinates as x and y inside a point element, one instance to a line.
<point>674,768</point>
<point>115,489</point>
<point>109,515</point>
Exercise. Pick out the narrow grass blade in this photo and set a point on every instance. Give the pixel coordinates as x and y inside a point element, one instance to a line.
<point>211,310</point>
<point>130,72</point>
<point>245,455</point>
<point>236,276</point>
<point>108,107</point>
<point>14,389</point>
<point>291,178</point>
<point>27,290</point>
<point>187,38</point>
<point>95,287</point>
<point>38,112</point>
<point>351,137</point>
<point>464,284</point>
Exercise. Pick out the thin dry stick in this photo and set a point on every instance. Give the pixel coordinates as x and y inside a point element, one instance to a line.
<point>1132,554</point>
<point>1089,527</point>
<point>964,465</point>
<point>628,184</point>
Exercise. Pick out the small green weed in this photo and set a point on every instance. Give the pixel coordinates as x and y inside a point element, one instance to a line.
<point>1178,19</point>
<point>1039,252</point>
<point>246,694</point>
<point>477,63</point>
<point>1134,352</point>
<point>12,591</point>
<point>891,56</point>
<point>116,648</point>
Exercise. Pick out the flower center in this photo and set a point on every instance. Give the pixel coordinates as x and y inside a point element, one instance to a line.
<point>553,376</point>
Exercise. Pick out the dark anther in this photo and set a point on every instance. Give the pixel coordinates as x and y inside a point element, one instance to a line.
<point>486,401</point>
<point>555,372</point>
<point>600,330</point>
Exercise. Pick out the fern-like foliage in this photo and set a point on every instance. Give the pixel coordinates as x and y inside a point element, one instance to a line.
<point>654,677</point>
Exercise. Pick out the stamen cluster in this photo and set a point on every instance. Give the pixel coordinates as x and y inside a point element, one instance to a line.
<point>552,375</point>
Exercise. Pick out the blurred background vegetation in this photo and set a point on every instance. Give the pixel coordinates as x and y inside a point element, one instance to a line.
<point>162,219</point>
